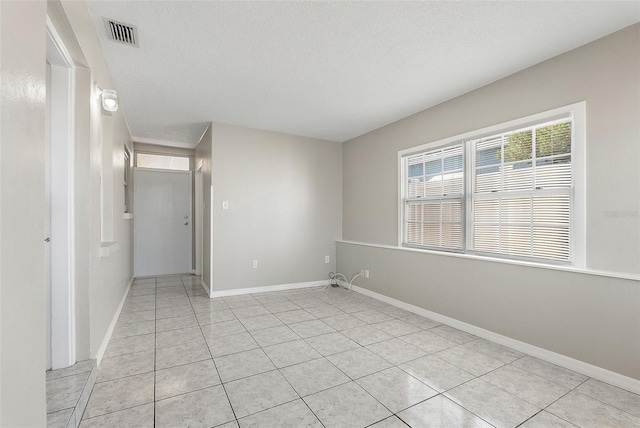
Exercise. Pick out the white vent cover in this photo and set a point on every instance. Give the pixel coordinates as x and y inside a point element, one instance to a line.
<point>121,32</point>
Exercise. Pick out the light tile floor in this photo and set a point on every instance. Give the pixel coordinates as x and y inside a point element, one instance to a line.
<point>68,391</point>
<point>324,357</point>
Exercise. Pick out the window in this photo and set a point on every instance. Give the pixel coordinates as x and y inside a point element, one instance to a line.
<point>435,198</point>
<point>145,160</point>
<point>127,181</point>
<point>508,191</point>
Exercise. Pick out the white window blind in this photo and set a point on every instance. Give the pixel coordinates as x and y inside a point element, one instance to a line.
<point>434,200</point>
<point>522,192</point>
<point>506,194</point>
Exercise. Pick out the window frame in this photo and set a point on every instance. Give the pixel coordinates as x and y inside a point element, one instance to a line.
<point>162,155</point>
<point>577,225</point>
<point>127,179</point>
<point>405,200</point>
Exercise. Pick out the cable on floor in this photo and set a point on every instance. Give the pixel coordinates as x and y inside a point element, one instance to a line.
<point>338,279</point>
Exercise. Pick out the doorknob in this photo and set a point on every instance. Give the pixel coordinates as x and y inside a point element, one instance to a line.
<point>186,223</point>
<point>186,216</point>
<point>47,239</point>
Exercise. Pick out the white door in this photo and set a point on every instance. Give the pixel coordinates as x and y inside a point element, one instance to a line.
<point>162,222</point>
<point>59,196</point>
<point>47,219</point>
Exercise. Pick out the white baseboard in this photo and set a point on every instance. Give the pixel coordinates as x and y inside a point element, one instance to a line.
<point>599,373</point>
<point>107,336</point>
<point>204,285</point>
<point>281,287</point>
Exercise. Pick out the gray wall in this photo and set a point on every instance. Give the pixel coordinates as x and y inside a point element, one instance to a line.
<point>100,282</point>
<point>547,308</point>
<point>82,190</point>
<point>82,176</point>
<point>203,154</point>
<point>285,201</point>
<point>591,318</point>
<point>22,163</point>
<point>108,277</point>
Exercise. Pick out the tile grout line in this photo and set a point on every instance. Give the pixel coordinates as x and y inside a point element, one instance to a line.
<point>251,333</point>
<point>409,374</point>
<point>443,392</point>
<point>279,368</point>
<point>498,368</point>
<point>155,347</point>
<point>504,365</point>
<point>216,367</point>
<point>96,383</point>
<point>596,399</point>
<point>354,380</point>
<point>558,399</point>
<point>478,377</point>
<point>287,380</point>
<point>351,380</point>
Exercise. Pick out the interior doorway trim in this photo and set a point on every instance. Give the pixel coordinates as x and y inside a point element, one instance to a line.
<point>199,206</point>
<point>60,157</point>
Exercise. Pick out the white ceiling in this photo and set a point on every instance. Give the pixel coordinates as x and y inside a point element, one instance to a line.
<point>330,70</point>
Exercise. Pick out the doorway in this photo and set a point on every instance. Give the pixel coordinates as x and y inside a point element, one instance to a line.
<point>59,214</point>
<point>199,207</point>
<point>162,222</point>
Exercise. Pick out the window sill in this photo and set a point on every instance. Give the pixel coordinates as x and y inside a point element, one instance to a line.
<point>128,216</point>
<point>619,275</point>
<point>108,248</point>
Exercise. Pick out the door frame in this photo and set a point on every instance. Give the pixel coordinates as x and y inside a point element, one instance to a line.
<point>136,218</point>
<point>199,241</point>
<point>60,157</point>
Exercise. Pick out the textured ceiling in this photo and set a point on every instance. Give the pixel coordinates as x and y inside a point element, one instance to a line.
<point>330,70</point>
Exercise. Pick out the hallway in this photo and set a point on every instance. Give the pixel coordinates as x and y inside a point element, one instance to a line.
<point>323,357</point>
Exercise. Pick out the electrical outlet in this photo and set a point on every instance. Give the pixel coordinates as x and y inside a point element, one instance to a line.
<point>255,264</point>
<point>366,273</point>
<point>327,259</point>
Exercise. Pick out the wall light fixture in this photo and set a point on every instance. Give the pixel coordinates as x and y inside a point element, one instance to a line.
<point>109,98</point>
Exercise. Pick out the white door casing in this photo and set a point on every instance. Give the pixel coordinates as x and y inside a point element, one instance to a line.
<point>60,203</point>
<point>162,222</point>
<point>47,219</point>
<point>199,206</point>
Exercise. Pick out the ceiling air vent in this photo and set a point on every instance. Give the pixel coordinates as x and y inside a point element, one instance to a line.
<point>121,32</point>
